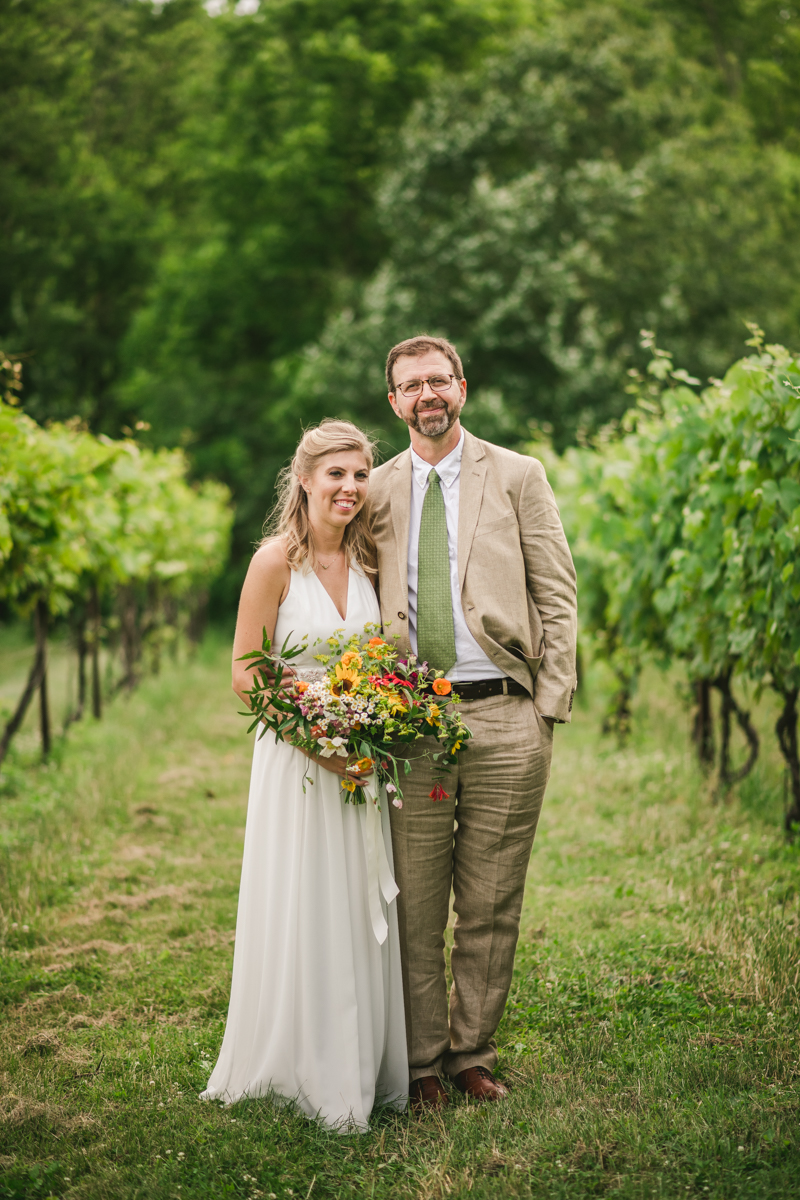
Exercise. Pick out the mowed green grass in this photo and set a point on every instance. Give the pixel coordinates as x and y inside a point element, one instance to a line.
<point>651,1036</point>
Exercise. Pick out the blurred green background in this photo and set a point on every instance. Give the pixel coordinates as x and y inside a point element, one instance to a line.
<point>217,219</point>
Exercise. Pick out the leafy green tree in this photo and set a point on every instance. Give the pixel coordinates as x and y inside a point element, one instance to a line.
<point>755,47</point>
<point>94,95</point>
<point>587,181</point>
<point>308,97</point>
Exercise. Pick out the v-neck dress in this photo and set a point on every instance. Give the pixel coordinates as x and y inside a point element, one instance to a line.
<point>316,1010</point>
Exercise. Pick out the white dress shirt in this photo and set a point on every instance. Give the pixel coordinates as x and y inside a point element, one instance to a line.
<point>471,662</point>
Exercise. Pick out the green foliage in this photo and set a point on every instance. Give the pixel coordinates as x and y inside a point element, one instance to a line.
<point>220,223</point>
<point>76,509</point>
<point>94,95</point>
<point>307,97</point>
<point>685,523</point>
<point>544,206</point>
<point>755,47</point>
<point>84,520</point>
<point>740,527</point>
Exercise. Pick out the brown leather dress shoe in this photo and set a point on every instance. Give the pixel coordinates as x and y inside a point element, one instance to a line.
<point>480,1084</point>
<point>428,1092</point>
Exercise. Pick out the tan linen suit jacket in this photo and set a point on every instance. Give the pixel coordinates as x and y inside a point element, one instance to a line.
<point>517,578</point>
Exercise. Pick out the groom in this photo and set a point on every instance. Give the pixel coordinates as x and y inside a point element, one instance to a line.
<point>476,575</point>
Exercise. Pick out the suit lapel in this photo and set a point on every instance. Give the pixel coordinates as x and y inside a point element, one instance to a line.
<point>473,473</point>
<point>400,499</point>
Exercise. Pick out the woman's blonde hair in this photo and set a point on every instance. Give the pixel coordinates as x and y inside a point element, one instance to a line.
<point>289,518</point>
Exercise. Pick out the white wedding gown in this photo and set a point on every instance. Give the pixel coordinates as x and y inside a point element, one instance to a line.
<point>316,1011</point>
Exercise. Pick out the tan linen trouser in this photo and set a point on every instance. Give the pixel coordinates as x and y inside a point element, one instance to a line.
<point>495,796</point>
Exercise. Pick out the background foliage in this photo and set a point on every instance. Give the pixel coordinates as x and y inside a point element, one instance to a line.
<point>218,224</point>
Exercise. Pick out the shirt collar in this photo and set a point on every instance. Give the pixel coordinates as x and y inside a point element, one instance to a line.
<point>448,469</point>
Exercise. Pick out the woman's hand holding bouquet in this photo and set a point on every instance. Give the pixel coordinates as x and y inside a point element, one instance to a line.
<point>357,708</point>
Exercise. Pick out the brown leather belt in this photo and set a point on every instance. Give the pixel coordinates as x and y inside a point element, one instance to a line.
<point>484,688</point>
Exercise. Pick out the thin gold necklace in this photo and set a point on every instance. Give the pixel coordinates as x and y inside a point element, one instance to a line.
<point>330,564</point>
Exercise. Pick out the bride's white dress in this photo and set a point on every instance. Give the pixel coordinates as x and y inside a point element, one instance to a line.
<point>316,1011</point>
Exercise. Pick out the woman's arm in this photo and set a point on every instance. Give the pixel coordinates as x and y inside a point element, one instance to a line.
<point>265,587</point>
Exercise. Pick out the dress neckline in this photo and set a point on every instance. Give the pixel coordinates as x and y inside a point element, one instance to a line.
<point>330,597</point>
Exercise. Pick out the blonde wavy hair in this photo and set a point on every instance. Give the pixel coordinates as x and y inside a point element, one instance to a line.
<point>289,518</point>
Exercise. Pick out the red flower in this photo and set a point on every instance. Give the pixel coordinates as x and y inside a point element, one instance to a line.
<point>439,793</point>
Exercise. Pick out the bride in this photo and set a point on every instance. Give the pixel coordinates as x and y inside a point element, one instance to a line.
<point>316,1009</point>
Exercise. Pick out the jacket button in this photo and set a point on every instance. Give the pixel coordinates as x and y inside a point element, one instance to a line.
<point>402,616</point>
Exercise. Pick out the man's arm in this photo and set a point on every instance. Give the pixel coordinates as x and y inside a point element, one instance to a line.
<point>550,579</point>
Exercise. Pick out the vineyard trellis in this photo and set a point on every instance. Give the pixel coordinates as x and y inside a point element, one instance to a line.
<point>685,524</point>
<point>107,535</point>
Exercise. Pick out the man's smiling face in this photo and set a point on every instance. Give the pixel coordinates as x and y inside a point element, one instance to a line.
<point>430,413</point>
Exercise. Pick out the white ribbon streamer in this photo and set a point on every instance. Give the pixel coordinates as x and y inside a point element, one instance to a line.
<point>380,881</point>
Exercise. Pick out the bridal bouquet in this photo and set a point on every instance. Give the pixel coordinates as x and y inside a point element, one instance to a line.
<point>359,704</point>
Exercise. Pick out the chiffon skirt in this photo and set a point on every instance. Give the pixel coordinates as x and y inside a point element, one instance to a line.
<point>316,1010</point>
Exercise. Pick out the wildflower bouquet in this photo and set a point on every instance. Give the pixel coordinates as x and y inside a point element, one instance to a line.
<point>360,704</point>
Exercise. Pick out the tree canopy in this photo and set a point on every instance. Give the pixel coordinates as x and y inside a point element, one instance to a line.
<point>218,224</point>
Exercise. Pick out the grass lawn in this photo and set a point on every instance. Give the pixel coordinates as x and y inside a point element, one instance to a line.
<point>651,1036</point>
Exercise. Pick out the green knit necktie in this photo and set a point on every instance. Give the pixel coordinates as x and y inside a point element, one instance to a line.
<point>436,639</point>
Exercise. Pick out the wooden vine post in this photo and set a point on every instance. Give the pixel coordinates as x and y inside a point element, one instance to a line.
<point>95,620</point>
<point>786,730</point>
<point>32,685</point>
<point>40,624</point>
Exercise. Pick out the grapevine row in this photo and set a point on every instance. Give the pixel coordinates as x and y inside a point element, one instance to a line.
<point>107,535</point>
<point>685,525</point>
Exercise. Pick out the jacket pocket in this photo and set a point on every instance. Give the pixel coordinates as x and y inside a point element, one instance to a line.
<point>532,662</point>
<point>508,521</point>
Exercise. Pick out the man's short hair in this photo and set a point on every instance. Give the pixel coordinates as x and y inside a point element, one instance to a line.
<point>417,346</point>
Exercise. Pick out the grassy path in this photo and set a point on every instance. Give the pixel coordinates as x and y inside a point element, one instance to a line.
<point>651,1038</point>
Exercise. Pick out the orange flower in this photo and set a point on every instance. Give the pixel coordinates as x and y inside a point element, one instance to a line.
<point>301,686</point>
<point>364,764</point>
<point>442,687</point>
<point>376,647</point>
<point>352,659</point>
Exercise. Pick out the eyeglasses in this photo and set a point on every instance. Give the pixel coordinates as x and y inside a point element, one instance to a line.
<point>438,383</point>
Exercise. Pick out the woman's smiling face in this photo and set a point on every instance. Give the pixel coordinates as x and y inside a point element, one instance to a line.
<point>337,489</point>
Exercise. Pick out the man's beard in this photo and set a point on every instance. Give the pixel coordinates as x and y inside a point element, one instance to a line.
<point>438,424</point>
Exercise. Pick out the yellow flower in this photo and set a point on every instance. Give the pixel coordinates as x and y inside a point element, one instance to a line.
<point>434,714</point>
<point>347,679</point>
<point>396,702</point>
<point>348,785</point>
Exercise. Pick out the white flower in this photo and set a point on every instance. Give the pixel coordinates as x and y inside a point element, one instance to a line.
<point>329,746</point>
